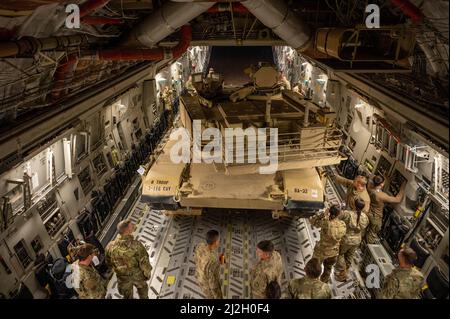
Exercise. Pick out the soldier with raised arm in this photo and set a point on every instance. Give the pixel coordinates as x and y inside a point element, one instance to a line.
<point>377,200</point>
<point>355,189</point>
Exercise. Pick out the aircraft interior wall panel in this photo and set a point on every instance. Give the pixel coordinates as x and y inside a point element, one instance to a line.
<point>27,232</point>
<point>67,193</point>
<point>7,275</point>
<point>58,153</point>
<point>70,206</point>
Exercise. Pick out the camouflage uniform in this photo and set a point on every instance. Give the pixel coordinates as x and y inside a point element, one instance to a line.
<point>402,283</point>
<point>308,288</point>
<point>167,100</point>
<point>87,282</point>
<point>265,272</point>
<point>208,271</point>
<point>129,259</point>
<point>351,240</point>
<point>327,249</point>
<point>377,200</point>
<point>353,194</point>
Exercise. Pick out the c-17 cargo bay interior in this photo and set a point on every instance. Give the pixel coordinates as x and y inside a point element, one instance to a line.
<point>88,115</point>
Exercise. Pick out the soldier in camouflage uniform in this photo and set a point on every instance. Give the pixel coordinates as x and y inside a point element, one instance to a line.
<point>130,261</point>
<point>268,269</point>
<point>405,282</point>
<point>309,287</point>
<point>86,280</point>
<point>167,100</point>
<point>377,200</point>
<point>355,189</point>
<point>332,230</point>
<point>207,263</point>
<point>356,222</point>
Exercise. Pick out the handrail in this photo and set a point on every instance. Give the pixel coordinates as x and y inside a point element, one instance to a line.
<point>291,149</point>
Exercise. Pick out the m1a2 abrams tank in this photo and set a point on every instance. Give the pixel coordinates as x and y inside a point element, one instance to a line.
<point>256,147</point>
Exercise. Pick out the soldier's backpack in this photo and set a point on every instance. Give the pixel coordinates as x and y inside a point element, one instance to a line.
<point>59,272</point>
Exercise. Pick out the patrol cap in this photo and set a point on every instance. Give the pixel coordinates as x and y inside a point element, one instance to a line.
<point>85,250</point>
<point>266,246</point>
<point>123,225</point>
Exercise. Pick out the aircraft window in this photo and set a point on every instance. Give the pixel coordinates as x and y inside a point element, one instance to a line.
<point>396,181</point>
<point>47,205</point>
<point>383,166</point>
<point>431,235</point>
<point>393,147</point>
<point>81,146</point>
<point>55,223</point>
<point>85,180</point>
<point>22,254</point>
<point>36,244</point>
<point>379,136</point>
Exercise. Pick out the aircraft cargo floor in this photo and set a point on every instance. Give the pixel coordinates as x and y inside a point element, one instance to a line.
<point>171,240</point>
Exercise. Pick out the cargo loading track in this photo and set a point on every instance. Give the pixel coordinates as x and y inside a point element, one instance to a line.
<point>171,241</point>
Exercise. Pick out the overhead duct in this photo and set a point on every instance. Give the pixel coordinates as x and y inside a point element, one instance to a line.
<point>165,21</point>
<point>66,67</point>
<point>276,15</point>
<point>28,46</point>
<point>150,54</point>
